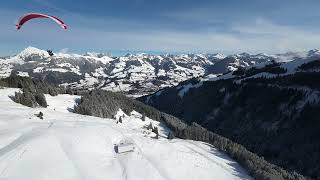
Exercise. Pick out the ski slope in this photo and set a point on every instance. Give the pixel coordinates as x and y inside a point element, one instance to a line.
<point>68,146</point>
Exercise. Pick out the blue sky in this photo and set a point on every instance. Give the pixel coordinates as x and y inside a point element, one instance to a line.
<point>228,26</point>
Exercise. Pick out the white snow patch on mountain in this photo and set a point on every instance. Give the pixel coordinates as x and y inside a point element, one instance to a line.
<point>29,51</point>
<point>89,81</point>
<point>219,56</point>
<point>23,74</point>
<point>5,69</point>
<point>185,88</point>
<point>57,70</point>
<point>214,77</point>
<point>159,93</point>
<point>38,70</point>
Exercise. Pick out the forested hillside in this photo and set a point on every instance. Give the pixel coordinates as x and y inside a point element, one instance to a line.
<point>273,111</point>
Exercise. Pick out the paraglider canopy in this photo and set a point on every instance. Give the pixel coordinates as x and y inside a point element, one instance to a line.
<point>30,16</point>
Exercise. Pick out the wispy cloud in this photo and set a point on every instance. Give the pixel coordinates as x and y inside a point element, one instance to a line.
<point>49,5</point>
<point>64,50</point>
<point>108,33</point>
<point>278,37</point>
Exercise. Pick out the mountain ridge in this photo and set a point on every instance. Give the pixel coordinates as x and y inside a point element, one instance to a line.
<point>134,74</point>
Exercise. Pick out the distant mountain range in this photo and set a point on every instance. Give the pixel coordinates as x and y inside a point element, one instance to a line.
<point>271,108</point>
<point>135,75</point>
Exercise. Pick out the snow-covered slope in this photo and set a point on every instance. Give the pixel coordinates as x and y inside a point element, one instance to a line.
<point>69,146</point>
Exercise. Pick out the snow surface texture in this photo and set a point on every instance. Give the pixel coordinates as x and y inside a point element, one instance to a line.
<point>69,146</point>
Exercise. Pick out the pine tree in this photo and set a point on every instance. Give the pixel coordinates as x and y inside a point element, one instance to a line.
<point>150,126</point>
<point>155,130</point>
<point>41,99</point>
<point>171,135</point>
<point>120,119</point>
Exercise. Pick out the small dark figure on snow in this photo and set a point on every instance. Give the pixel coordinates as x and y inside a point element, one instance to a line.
<point>50,52</point>
<point>40,115</point>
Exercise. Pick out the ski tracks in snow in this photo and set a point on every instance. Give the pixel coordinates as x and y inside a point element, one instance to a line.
<point>80,143</point>
<point>201,151</point>
<point>14,151</point>
<point>76,147</point>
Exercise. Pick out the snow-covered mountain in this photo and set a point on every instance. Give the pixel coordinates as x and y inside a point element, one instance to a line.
<point>136,75</point>
<point>264,107</point>
<point>65,145</point>
<point>282,67</point>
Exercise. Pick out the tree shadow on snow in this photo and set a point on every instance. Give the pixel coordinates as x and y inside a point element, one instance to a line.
<point>237,170</point>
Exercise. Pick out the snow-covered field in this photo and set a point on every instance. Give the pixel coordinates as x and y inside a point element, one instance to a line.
<point>69,146</point>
